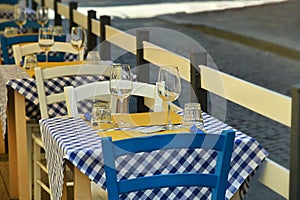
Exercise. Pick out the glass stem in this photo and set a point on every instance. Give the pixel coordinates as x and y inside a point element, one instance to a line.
<point>169,116</point>
<point>121,110</point>
<point>46,58</point>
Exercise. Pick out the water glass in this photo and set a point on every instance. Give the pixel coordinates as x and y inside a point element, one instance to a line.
<point>10,31</point>
<point>101,114</point>
<point>93,57</point>
<point>20,15</point>
<point>192,115</point>
<point>30,61</point>
<point>58,30</point>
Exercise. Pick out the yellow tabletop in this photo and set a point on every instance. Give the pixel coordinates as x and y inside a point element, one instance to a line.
<point>141,119</point>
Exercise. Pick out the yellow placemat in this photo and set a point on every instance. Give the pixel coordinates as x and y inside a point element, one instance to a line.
<point>30,72</point>
<point>142,119</point>
<point>149,118</point>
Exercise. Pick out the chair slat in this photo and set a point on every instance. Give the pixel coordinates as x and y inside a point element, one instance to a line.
<point>168,180</point>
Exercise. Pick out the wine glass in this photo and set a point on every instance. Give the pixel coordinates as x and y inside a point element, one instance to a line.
<point>46,40</point>
<point>120,85</point>
<point>78,38</point>
<point>20,15</point>
<point>42,15</point>
<point>169,88</point>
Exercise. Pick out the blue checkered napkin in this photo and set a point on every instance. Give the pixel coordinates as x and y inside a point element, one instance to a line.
<point>27,88</point>
<point>73,140</point>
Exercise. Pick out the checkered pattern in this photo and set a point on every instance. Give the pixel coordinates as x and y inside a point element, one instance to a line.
<point>67,56</point>
<point>72,139</point>
<point>4,14</point>
<point>27,88</point>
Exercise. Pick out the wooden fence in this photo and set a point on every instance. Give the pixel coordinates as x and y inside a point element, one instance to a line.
<point>263,101</point>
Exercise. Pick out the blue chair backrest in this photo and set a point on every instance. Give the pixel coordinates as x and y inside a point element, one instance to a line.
<point>30,24</point>
<point>9,1</point>
<point>223,144</point>
<point>7,42</point>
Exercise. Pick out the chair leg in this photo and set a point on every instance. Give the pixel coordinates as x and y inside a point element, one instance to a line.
<point>30,151</point>
<point>37,171</point>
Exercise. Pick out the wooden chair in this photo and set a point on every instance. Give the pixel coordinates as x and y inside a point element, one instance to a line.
<point>8,42</point>
<point>46,100</point>
<point>29,25</point>
<point>223,144</point>
<point>20,50</point>
<point>96,89</point>
<point>8,3</point>
<point>7,8</point>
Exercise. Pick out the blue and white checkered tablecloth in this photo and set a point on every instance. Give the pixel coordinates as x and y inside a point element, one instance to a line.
<point>6,14</point>
<point>72,139</point>
<point>27,88</point>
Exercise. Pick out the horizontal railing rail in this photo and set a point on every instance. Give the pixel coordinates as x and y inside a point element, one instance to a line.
<point>251,96</point>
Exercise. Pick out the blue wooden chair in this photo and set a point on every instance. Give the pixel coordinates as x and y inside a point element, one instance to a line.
<point>9,1</point>
<point>223,144</point>
<point>7,42</point>
<point>29,25</point>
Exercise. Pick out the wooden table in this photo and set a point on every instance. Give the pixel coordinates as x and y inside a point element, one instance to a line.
<point>76,142</point>
<point>18,139</point>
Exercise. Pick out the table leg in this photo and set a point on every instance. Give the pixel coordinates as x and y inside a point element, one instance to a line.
<point>18,152</point>
<point>2,140</point>
<point>65,189</point>
<point>12,147</point>
<point>22,147</point>
<point>82,185</point>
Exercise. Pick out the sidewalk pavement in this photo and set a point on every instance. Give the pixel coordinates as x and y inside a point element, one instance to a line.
<point>273,27</point>
<point>271,24</point>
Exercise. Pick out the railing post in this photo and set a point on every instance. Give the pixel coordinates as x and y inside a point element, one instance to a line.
<point>104,45</point>
<point>33,5</point>
<point>29,3</point>
<point>294,192</point>
<point>142,64</point>
<point>57,17</point>
<point>196,59</point>
<point>92,38</point>
<point>72,6</point>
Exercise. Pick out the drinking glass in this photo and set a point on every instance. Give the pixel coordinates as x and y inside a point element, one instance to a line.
<point>120,85</point>
<point>101,115</point>
<point>58,30</point>
<point>169,88</point>
<point>30,62</point>
<point>46,40</point>
<point>193,116</point>
<point>10,31</point>
<point>78,38</point>
<point>20,15</point>
<point>93,57</point>
<point>42,15</point>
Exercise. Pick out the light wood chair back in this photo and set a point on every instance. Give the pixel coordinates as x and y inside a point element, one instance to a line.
<point>75,70</point>
<point>21,50</point>
<point>73,95</point>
